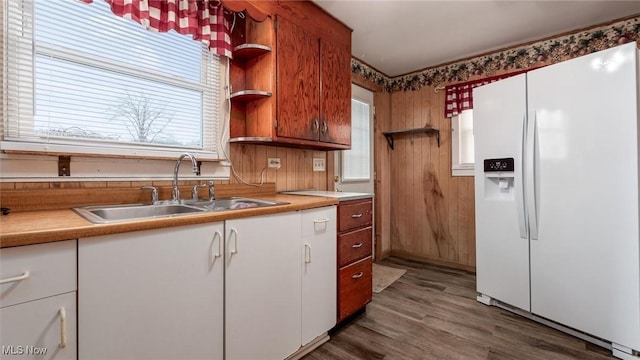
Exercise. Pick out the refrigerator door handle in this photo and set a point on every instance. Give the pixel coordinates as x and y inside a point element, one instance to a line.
<point>532,157</point>
<point>519,182</point>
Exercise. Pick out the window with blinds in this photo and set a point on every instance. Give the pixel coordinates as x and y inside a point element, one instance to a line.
<point>462,144</point>
<point>82,80</point>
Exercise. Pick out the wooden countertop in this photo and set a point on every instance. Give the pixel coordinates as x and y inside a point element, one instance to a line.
<point>35,227</point>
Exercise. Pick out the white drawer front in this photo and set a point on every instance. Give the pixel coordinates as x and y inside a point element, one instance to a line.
<point>51,271</point>
<point>318,221</point>
<point>40,329</point>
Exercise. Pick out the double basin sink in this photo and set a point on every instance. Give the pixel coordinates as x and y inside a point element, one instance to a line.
<point>116,213</point>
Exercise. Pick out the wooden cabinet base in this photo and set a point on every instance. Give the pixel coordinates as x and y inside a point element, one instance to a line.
<point>355,287</point>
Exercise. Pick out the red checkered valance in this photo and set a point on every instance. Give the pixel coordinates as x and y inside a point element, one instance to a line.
<point>202,19</point>
<point>459,97</point>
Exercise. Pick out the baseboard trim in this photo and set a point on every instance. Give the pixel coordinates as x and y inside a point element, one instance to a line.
<point>433,261</point>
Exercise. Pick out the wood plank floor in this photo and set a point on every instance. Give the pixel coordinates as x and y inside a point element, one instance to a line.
<point>431,313</point>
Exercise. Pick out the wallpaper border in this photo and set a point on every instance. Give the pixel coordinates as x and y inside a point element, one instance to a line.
<point>535,54</point>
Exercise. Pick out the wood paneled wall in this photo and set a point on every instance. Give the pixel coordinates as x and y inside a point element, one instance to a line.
<point>431,212</point>
<point>296,171</point>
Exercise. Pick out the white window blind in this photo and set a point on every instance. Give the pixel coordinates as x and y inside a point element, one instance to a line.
<point>462,144</point>
<point>83,80</point>
<point>356,162</point>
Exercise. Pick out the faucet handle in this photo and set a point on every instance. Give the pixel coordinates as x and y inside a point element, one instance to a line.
<point>154,192</point>
<point>194,191</point>
<point>212,191</point>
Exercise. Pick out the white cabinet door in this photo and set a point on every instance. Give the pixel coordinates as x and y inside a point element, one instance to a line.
<point>318,272</point>
<point>40,329</point>
<point>154,294</point>
<point>262,287</point>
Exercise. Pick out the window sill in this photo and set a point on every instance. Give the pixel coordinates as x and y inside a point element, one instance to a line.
<point>462,172</point>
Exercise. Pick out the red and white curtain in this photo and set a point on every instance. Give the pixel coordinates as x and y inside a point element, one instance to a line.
<point>202,19</point>
<point>459,97</point>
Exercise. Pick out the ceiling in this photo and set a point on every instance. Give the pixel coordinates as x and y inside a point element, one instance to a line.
<point>401,36</point>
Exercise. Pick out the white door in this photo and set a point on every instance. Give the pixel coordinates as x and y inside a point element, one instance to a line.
<point>354,168</point>
<point>319,249</point>
<point>584,264</point>
<point>502,244</point>
<point>154,294</point>
<point>38,329</point>
<point>263,287</point>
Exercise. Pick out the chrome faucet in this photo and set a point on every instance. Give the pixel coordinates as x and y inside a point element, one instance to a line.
<point>175,195</point>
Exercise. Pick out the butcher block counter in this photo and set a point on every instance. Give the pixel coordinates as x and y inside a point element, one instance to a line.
<point>33,227</point>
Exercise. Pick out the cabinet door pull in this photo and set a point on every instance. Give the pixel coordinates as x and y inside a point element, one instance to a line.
<point>356,216</point>
<point>235,241</point>
<point>219,236</point>
<point>325,128</point>
<point>307,253</point>
<point>321,221</point>
<point>14,279</point>
<point>358,245</point>
<point>358,275</point>
<point>63,328</point>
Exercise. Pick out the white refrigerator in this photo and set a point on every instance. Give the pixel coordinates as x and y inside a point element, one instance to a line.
<point>557,200</point>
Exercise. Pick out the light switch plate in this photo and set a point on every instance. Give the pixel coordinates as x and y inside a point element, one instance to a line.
<point>318,164</point>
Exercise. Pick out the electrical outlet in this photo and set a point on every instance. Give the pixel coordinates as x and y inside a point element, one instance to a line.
<point>318,164</point>
<point>273,163</point>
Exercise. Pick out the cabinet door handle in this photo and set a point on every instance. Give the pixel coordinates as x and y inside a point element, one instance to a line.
<point>356,216</point>
<point>316,125</point>
<point>63,328</point>
<point>307,253</point>
<point>235,241</point>
<point>358,245</point>
<point>321,221</point>
<point>219,236</point>
<point>14,279</point>
<point>325,128</point>
<point>358,275</point>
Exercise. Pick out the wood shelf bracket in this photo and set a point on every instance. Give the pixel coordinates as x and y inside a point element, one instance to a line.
<point>425,130</point>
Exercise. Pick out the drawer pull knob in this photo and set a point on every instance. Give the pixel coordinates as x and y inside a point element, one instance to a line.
<point>14,279</point>
<point>356,216</point>
<point>358,275</point>
<point>358,245</point>
<point>63,328</point>
<point>321,221</point>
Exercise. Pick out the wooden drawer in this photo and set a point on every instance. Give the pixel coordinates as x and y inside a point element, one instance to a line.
<point>354,245</point>
<point>354,214</point>
<point>51,267</point>
<point>355,288</point>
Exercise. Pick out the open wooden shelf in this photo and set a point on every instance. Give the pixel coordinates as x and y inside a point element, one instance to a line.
<point>250,95</point>
<point>390,134</point>
<point>246,52</point>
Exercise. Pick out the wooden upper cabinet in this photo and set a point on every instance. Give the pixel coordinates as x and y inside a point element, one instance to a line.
<point>314,86</point>
<point>335,98</point>
<point>298,93</point>
<point>297,81</point>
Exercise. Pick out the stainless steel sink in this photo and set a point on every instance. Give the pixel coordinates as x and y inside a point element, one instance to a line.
<point>116,213</point>
<point>233,203</point>
<point>107,214</point>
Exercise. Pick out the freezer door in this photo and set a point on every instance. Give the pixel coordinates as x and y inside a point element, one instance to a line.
<point>502,246</point>
<point>584,264</point>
